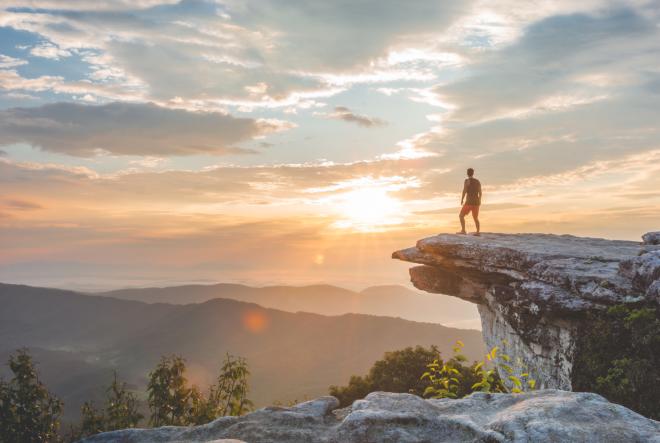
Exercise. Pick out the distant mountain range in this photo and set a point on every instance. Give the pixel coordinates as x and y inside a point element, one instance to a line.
<point>390,301</point>
<point>78,339</point>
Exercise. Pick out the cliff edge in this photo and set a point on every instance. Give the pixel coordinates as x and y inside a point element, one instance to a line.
<point>533,291</point>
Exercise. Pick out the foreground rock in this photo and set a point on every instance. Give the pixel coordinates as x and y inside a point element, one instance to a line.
<point>533,291</point>
<point>400,418</point>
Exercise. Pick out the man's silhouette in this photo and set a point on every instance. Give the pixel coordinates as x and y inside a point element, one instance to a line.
<point>471,189</point>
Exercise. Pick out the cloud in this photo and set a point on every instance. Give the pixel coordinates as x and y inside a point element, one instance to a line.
<point>49,50</point>
<point>572,90</point>
<point>558,62</point>
<point>129,129</point>
<point>10,62</point>
<point>345,114</point>
<point>96,5</point>
<point>21,205</point>
<point>216,52</point>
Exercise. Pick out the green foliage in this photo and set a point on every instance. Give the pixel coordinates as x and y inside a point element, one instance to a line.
<point>169,395</point>
<point>619,358</point>
<point>28,412</point>
<point>398,371</point>
<point>227,397</point>
<point>490,380</point>
<point>453,379</point>
<point>232,387</point>
<point>449,379</point>
<point>120,412</point>
<point>173,402</point>
<point>93,421</point>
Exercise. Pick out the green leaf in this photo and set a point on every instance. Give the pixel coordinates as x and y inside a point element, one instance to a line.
<point>515,380</point>
<point>507,368</point>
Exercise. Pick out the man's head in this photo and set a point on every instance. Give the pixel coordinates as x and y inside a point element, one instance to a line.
<point>470,172</point>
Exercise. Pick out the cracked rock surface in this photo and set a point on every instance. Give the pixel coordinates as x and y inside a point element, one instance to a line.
<point>548,415</point>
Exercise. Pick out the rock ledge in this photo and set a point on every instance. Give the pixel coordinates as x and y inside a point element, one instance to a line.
<point>533,290</point>
<point>548,415</point>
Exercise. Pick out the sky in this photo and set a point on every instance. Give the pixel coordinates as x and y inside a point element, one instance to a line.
<point>156,142</point>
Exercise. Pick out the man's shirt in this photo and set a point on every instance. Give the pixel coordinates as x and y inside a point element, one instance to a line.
<point>472,191</point>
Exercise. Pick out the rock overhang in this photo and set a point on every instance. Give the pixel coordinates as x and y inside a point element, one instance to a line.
<point>566,272</point>
<point>536,292</point>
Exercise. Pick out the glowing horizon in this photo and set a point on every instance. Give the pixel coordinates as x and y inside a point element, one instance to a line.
<point>265,142</point>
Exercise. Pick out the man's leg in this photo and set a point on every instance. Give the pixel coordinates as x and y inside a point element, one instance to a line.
<point>475,216</point>
<point>461,217</point>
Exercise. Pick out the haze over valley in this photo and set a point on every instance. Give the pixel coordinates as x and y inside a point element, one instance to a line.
<point>79,339</point>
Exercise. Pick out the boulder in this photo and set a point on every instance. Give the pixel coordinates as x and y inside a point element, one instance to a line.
<point>548,415</point>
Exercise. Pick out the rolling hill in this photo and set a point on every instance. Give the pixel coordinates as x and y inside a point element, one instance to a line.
<point>78,339</point>
<point>390,301</point>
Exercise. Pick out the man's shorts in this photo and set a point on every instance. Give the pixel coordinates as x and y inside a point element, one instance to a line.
<point>470,208</point>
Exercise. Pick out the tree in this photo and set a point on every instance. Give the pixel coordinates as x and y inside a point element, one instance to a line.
<point>92,422</point>
<point>28,412</point>
<point>618,357</point>
<point>172,402</point>
<point>398,371</point>
<point>169,395</point>
<point>227,397</point>
<point>232,387</point>
<point>120,412</point>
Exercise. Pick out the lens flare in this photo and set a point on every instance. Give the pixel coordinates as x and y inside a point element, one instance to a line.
<point>255,321</point>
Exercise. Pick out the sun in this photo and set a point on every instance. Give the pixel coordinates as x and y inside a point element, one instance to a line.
<point>368,209</point>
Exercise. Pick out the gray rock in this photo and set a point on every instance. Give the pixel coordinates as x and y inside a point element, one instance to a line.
<point>534,290</point>
<point>651,238</point>
<point>548,415</point>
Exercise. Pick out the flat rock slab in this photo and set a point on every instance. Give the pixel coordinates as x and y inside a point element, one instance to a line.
<point>580,273</point>
<point>548,415</point>
<point>532,247</point>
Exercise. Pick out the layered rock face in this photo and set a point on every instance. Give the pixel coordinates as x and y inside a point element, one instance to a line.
<point>533,291</point>
<point>394,418</point>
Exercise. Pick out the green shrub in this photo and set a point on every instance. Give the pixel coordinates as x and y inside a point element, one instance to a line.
<point>398,371</point>
<point>453,379</point>
<point>120,412</point>
<point>619,357</point>
<point>173,402</point>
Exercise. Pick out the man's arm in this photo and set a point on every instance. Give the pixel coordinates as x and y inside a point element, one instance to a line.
<point>464,191</point>
<point>479,191</point>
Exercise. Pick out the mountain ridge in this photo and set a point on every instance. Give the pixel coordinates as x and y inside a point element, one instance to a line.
<point>385,300</point>
<point>291,355</point>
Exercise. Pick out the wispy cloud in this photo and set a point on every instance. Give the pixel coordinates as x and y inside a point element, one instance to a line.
<point>10,62</point>
<point>345,114</point>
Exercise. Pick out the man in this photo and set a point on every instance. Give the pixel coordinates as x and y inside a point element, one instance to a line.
<point>471,189</point>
